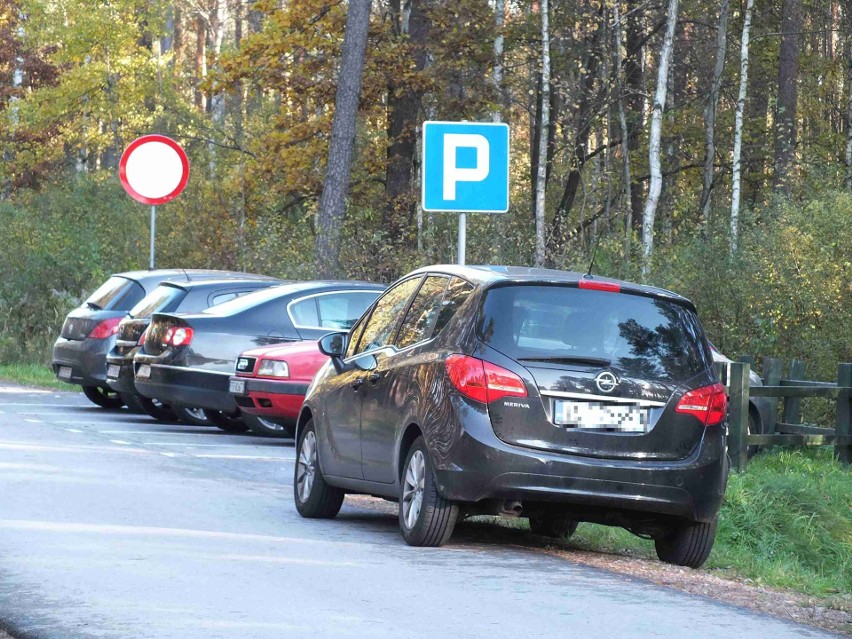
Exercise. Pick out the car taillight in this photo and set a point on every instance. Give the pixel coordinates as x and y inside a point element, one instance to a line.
<point>143,337</point>
<point>178,336</point>
<point>483,381</point>
<point>709,404</point>
<point>596,285</point>
<point>106,328</point>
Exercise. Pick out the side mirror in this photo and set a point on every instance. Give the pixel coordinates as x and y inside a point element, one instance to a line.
<point>333,345</point>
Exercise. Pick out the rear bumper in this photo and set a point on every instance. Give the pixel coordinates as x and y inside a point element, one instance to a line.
<point>123,382</point>
<point>86,359</point>
<point>182,386</point>
<point>279,399</point>
<point>481,466</point>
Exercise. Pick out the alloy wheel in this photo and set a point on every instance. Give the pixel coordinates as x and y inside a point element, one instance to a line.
<point>412,492</point>
<point>306,466</point>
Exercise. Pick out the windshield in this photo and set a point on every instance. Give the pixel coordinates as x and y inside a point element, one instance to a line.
<point>641,336</point>
<point>117,293</point>
<point>162,299</point>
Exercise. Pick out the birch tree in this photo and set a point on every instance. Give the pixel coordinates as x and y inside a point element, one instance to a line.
<point>710,111</point>
<point>625,134</point>
<point>336,185</point>
<point>847,8</point>
<point>738,128</point>
<point>656,184</point>
<point>499,19</point>
<point>544,130</point>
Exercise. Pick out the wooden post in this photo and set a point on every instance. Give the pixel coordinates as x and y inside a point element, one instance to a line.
<point>842,426</point>
<point>792,413</point>
<point>738,414</point>
<point>771,377</point>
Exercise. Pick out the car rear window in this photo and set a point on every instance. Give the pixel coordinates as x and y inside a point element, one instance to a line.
<point>163,299</point>
<point>642,336</point>
<point>116,294</point>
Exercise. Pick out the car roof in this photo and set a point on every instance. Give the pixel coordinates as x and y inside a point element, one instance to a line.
<point>184,275</point>
<point>490,275</point>
<point>223,282</point>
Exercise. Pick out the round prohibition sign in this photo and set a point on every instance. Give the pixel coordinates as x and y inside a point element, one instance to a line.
<point>154,169</point>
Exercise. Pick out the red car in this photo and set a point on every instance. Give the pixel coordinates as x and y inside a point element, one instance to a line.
<point>270,384</point>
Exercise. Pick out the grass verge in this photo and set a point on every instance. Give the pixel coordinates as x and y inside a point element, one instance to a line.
<point>37,375</point>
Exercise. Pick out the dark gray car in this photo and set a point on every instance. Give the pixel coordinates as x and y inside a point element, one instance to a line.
<point>88,334</point>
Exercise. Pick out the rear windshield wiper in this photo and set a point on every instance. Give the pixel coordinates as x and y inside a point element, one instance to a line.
<point>593,361</point>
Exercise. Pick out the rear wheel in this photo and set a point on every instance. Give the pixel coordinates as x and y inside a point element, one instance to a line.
<point>556,525</point>
<point>425,517</point>
<point>193,416</point>
<point>132,402</point>
<point>103,397</point>
<point>157,409</point>
<point>688,544</point>
<point>314,498</point>
<point>267,428</point>
<point>230,423</point>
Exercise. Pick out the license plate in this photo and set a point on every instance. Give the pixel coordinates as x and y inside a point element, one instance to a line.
<point>624,418</point>
<point>144,372</point>
<point>113,371</point>
<point>237,386</point>
<point>64,372</point>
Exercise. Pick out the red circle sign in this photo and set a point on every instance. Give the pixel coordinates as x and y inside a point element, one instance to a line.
<point>154,169</point>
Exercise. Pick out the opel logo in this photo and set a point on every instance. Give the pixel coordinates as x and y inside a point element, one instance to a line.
<point>606,382</point>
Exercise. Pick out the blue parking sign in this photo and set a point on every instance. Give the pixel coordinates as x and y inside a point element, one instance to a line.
<point>466,167</point>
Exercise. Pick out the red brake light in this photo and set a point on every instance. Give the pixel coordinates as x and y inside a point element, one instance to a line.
<point>596,285</point>
<point>483,381</point>
<point>709,404</point>
<point>178,336</point>
<point>106,328</point>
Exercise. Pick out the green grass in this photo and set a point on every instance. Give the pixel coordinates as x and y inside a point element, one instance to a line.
<point>786,523</point>
<point>33,375</point>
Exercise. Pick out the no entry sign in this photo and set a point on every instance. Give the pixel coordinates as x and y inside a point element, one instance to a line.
<point>154,169</point>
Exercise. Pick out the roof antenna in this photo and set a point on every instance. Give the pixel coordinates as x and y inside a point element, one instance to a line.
<point>588,274</point>
<point>189,279</point>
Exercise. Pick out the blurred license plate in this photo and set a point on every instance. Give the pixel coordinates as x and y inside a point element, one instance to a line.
<point>237,386</point>
<point>144,371</point>
<point>113,370</point>
<point>64,372</point>
<point>601,416</point>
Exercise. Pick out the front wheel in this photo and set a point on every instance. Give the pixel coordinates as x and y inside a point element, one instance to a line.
<point>687,544</point>
<point>425,517</point>
<point>314,498</point>
<point>227,422</point>
<point>267,428</point>
<point>103,397</point>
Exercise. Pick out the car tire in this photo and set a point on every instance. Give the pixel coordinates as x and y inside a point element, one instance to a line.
<point>267,428</point>
<point>192,416</point>
<point>753,429</point>
<point>426,518</point>
<point>157,409</point>
<point>132,402</point>
<point>230,423</point>
<point>314,498</point>
<point>103,397</point>
<point>556,525</point>
<point>687,544</point>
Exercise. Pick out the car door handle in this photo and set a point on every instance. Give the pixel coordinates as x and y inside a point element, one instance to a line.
<point>374,378</point>
<point>357,383</point>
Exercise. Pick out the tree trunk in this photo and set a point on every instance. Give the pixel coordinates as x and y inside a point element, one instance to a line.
<point>543,128</point>
<point>499,19</point>
<point>788,77</point>
<point>634,76</point>
<point>336,186</point>
<point>656,184</point>
<point>710,111</point>
<point>625,134</point>
<point>200,62</point>
<point>848,16</point>
<point>738,128</point>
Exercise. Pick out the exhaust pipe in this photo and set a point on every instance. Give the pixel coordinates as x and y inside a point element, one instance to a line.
<point>512,508</point>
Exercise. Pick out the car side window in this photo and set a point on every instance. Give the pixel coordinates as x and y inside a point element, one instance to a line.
<point>354,336</point>
<point>457,292</point>
<point>224,297</point>
<point>419,322</point>
<point>334,311</point>
<point>383,320</point>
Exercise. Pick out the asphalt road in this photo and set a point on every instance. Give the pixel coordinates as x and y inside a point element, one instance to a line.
<point>114,525</point>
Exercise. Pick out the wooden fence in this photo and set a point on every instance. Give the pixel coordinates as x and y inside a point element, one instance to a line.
<point>788,431</point>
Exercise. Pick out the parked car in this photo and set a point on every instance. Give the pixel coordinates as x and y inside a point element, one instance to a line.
<point>550,395</point>
<point>88,334</point>
<point>169,297</point>
<point>187,360</point>
<point>271,383</point>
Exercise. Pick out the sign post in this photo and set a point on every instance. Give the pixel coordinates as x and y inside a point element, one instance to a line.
<point>154,169</point>
<point>465,170</point>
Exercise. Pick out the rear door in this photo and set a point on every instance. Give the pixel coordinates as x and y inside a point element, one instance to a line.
<point>320,313</point>
<point>603,370</point>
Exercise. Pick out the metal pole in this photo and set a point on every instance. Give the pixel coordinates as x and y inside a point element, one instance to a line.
<point>153,231</point>
<point>462,236</point>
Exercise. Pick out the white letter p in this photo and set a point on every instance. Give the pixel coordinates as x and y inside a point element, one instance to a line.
<point>452,173</point>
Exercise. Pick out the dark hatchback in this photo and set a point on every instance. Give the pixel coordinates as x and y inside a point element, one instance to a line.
<point>88,334</point>
<point>517,391</point>
<point>186,360</point>
<point>169,297</point>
